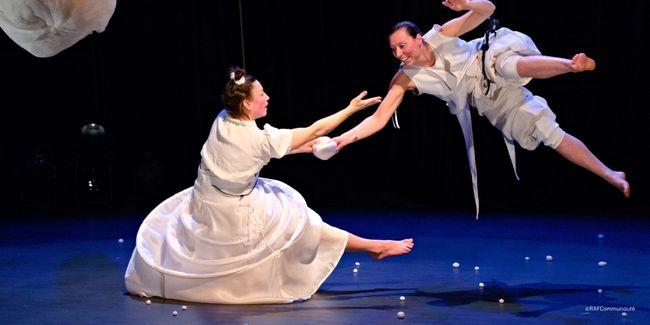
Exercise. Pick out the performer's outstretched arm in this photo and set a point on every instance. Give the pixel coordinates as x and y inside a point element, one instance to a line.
<point>301,136</point>
<point>375,122</point>
<point>478,12</point>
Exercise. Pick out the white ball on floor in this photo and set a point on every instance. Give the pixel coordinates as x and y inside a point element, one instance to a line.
<point>455,265</point>
<point>527,258</point>
<point>501,301</point>
<point>476,268</point>
<point>402,298</point>
<point>601,236</point>
<point>355,270</point>
<point>600,290</point>
<point>481,285</point>
<point>120,240</point>
<point>184,307</point>
<point>400,314</point>
<point>602,263</point>
<point>549,258</point>
<point>357,264</point>
<point>624,314</point>
<point>174,313</point>
<point>148,302</point>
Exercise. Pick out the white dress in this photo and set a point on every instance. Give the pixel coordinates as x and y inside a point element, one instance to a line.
<point>233,237</point>
<point>457,78</point>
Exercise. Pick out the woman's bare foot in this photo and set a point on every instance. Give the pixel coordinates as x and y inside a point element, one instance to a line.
<point>617,179</point>
<point>581,62</point>
<point>386,248</point>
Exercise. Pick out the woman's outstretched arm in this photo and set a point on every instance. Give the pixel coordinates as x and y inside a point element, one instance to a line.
<point>478,12</point>
<point>375,122</point>
<point>301,136</point>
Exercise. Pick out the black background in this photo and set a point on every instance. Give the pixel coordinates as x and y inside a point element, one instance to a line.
<point>153,79</point>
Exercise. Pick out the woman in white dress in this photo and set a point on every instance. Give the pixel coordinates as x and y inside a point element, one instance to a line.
<point>489,77</point>
<point>237,238</point>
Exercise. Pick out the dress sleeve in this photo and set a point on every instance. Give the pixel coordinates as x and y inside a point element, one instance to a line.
<point>438,40</point>
<point>276,142</point>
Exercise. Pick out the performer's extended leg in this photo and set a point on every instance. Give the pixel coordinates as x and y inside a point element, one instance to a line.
<point>542,67</point>
<point>378,248</point>
<point>574,150</point>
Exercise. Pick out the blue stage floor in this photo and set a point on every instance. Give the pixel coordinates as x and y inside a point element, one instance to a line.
<point>70,271</point>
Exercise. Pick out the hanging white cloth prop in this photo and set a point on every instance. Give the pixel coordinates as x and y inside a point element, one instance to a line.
<point>47,27</point>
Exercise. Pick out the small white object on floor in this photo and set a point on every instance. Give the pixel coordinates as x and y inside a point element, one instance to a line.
<point>400,314</point>
<point>549,258</point>
<point>527,258</point>
<point>601,236</point>
<point>174,313</point>
<point>148,302</point>
<point>476,268</point>
<point>324,148</point>
<point>602,263</point>
<point>402,298</point>
<point>357,264</point>
<point>624,314</point>
<point>120,240</point>
<point>455,265</point>
<point>355,270</point>
<point>481,285</point>
<point>184,308</point>
<point>501,301</point>
<point>600,290</point>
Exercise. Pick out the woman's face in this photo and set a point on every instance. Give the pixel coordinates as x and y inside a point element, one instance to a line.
<point>405,47</point>
<point>256,105</point>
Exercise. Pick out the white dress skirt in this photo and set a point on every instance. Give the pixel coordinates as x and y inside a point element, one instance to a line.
<point>205,244</point>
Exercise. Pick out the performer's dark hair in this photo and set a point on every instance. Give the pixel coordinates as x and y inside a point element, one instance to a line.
<point>411,28</point>
<point>234,95</point>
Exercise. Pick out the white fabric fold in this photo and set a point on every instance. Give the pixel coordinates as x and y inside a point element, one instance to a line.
<point>46,27</point>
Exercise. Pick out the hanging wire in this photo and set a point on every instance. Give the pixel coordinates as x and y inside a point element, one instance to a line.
<point>241,35</point>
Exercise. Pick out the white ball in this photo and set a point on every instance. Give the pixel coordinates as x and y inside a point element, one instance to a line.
<point>355,270</point>
<point>549,258</point>
<point>357,264</point>
<point>400,314</point>
<point>402,298</point>
<point>148,302</point>
<point>624,314</point>
<point>184,307</point>
<point>174,313</point>
<point>601,236</point>
<point>527,258</point>
<point>602,263</point>
<point>600,290</point>
<point>501,301</point>
<point>120,240</point>
<point>476,268</point>
<point>455,265</point>
<point>481,285</point>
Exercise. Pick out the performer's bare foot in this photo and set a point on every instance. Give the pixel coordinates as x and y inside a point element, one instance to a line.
<point>618,180</point>
<point>581,62</point>
<point>386,248</point>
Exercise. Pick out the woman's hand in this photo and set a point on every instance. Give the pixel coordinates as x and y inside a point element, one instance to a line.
<point>456,5</point>
<point>342,141</point>
<point>358,103</point>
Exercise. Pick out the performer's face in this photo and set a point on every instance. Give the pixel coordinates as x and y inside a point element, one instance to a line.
<point>404,46</point>
<point>257,103</point>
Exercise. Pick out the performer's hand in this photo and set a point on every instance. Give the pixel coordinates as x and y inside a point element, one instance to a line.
<point>358,103</point>
<point>342,141</point>
<point>456,5</point>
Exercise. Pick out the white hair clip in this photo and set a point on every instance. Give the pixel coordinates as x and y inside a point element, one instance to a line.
<point>239,81</point>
